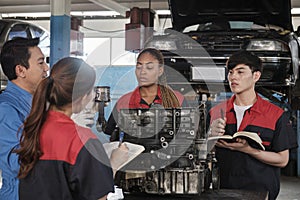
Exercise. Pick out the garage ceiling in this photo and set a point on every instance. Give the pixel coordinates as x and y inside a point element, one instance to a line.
<point>30,6</point>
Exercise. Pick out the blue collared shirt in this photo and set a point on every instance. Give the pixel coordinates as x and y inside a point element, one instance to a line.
<point>15,105</point>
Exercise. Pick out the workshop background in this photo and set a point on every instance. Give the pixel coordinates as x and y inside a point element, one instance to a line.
<point>98,31</point>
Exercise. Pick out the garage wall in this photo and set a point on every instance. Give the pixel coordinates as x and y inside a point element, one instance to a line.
<point>104,42</point>
<point>296,22</point>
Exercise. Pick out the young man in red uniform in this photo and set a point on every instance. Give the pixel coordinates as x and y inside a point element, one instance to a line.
<point>242,166</point>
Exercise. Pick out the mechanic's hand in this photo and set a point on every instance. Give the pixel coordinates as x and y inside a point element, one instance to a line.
<point>217,127</point>
<point>238,145</point>
<point>85,118</point>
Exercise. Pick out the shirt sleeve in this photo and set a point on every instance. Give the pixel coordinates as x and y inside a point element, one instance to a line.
<point>285,136</point>
<point>10,123</point>
<point>92,174</point>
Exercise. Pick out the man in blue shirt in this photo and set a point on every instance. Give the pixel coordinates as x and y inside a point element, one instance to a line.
<point>24,65</point>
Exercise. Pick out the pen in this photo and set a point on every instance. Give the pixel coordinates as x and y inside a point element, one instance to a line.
<point>222,113</point>
<point>121,137</point>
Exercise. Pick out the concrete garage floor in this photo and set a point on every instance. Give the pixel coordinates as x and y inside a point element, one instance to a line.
<point>290,188</point>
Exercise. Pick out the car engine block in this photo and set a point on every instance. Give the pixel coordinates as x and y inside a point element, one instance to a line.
<point>176,159</point>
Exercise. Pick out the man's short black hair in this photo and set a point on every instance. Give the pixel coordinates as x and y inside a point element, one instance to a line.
<point>16,52</point>
<point>246,58</point>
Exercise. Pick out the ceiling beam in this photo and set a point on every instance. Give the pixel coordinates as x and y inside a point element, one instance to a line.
<point>24,9</point>
<point>155,5</point>
<point>46,8</point>
<point>112,5</point>
<point>295,4</point>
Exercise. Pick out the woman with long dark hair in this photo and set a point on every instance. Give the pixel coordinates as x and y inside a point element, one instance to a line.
<point>59,159</point>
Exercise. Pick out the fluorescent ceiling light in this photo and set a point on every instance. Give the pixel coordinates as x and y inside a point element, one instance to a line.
<point>295,11</point>
<point>95,13</point>
<point>48,14</point>
<point>163,12</point>
<point>76,13</point>
<point>112,5</point>
<point>36,14</point>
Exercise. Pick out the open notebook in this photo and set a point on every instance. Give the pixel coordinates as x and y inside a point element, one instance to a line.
<point>252,138</point>
<point>133,150</point>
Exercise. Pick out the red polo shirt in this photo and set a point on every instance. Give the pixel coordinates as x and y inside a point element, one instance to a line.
<point>134,100</point>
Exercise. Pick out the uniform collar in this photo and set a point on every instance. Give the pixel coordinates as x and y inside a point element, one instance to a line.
<point>12,87</point>
<point>256,106</point>
<point>137,99</point>
<point>59,116</point>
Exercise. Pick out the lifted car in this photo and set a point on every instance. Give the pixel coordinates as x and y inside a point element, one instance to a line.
<point>10,28</point>
<point>206,33</point>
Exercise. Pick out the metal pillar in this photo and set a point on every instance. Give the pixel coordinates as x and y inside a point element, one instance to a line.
<point>60,29</point>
